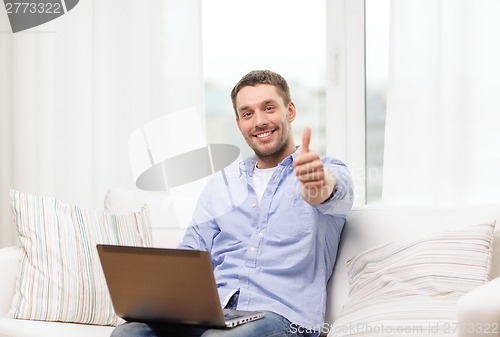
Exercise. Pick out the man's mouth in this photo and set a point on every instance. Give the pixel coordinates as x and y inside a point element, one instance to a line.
<point>264,134</point>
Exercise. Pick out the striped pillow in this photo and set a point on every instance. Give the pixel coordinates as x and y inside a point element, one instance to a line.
<point>60,276</point>
<point>412,288</point>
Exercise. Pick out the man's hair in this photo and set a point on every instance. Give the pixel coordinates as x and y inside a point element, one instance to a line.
<point>256,77</point>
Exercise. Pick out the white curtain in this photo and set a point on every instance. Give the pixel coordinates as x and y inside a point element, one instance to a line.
<point>74,89</point>
<point>442,143</point>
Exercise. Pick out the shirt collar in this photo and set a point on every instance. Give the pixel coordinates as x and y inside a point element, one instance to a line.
<point>247,166</point>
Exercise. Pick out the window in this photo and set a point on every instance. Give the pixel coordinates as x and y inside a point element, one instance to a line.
<point>286,36</point>
<point>425,130</point>
<point>377,68</point>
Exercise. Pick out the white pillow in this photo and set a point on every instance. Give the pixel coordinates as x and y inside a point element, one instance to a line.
<point>60,276</point>
<point>167,231</point>
<point>412,287</point>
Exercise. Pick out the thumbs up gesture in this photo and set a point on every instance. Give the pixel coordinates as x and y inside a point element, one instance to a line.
<point>317,182</point>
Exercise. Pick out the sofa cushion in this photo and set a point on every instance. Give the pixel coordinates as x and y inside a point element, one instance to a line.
<point>27,328</point>
<point>9,258</point>
<point>166,229</point>
<point>412,286</point>
<point>60,276</point>
<point>374,225</point>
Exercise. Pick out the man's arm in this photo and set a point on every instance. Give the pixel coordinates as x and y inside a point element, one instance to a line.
<point>203,227</point>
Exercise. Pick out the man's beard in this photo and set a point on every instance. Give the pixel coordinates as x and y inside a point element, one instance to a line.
<point>276,151</point>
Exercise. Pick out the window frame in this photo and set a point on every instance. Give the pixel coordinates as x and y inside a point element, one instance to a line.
<point>345,89</point>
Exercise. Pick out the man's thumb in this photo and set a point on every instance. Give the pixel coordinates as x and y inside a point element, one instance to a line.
<point>306,139</point>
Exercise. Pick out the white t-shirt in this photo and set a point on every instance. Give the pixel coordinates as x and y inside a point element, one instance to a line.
<point>261,178</point>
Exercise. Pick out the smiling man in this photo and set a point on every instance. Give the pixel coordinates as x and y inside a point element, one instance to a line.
<point>275,250</point>
<point>264,119</point>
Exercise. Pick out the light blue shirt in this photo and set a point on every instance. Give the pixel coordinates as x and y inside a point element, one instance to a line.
<point>280,252</point>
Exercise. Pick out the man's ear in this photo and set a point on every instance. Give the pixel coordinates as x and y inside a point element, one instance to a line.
<point>292,112</point>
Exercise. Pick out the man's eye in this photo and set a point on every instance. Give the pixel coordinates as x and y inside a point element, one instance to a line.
<point>270,108</point>
<point>246,114</point>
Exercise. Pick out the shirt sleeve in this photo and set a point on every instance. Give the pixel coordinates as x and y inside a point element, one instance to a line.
<point>203,227</point>
<point>341,201</point>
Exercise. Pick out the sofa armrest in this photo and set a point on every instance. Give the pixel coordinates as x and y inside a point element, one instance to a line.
<point>8,273</point>
<point>479,311</point>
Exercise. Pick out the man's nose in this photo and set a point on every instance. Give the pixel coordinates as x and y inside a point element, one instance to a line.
<point>260,118</point>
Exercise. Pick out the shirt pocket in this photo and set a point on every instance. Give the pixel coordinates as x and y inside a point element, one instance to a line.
<point>292,219</point>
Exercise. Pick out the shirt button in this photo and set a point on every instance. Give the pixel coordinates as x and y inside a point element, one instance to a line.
<point>252,250</point>
<point>254,205</point>
<point>261,234</point>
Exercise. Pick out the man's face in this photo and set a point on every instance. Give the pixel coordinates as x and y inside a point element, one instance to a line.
<point>265,122</point>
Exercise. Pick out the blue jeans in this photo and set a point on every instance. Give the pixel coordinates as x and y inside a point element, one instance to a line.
<point>272,325</point>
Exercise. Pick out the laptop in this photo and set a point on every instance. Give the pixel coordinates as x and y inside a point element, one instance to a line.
<point>161,285</point>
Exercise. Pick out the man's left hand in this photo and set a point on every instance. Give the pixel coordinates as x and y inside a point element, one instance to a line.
<point>317,182</point>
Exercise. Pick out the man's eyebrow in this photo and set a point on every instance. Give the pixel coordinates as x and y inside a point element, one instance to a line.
<point>265,102</point>
<point>243,108</point>
<point>269,101</point>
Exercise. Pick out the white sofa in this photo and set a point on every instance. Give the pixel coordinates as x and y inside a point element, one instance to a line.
<point>366,227</point>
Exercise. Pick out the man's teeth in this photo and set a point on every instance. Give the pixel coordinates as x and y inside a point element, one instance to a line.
<point>265,134</point>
